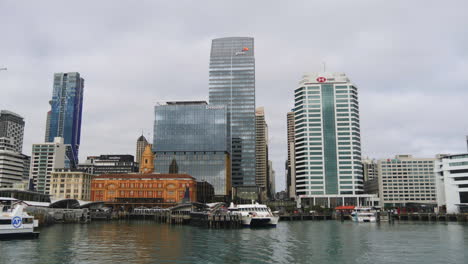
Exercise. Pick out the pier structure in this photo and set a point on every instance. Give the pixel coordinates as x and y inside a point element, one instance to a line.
<point>213,215</point>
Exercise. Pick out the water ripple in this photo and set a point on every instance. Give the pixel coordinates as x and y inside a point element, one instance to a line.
<point>325,242</point>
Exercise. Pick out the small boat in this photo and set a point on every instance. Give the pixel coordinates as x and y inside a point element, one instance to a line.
<point>254,215</point>
<point>15,223</point>
<point>364,214</point>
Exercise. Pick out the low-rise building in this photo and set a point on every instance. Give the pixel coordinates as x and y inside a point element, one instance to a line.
<point>451,172</point>
<point>66,184</point>
<point>143,189</point>
<point>406,181</point>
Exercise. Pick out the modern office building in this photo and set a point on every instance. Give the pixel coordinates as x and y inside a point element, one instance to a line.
<point>451,172</point>
<point>12,126</point>
<point>68,184</point>
<point>406,182</point>
<point>109,164</point>
<point>205,192</point>
<point>370,169</point>
<point>11,163</point>
<point>261,150</point>
<point>194,135</point>
<point>45,158</point>
<point>140,147</point>
<point>64,118</point>
<point>327,141</point>
<point>291,162</point>
<point>232,83</point>
<point>26,167</point>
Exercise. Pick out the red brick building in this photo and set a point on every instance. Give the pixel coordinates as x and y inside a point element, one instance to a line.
<point>143,189</point>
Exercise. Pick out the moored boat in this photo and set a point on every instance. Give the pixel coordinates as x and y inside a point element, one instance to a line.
<point>16,223</point>
<point>364,215</point>
<point>255,215</point>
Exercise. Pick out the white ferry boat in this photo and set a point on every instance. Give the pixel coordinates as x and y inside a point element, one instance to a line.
<point>364,214</point>
<point>255,214</point>
<point>15,223</point>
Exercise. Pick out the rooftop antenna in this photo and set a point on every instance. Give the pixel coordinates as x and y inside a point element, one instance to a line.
<point>324,66</point>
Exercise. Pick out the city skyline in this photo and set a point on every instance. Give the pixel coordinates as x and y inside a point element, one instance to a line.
<point>397,72</point>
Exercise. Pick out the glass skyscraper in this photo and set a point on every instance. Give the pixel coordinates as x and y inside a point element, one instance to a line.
<point>327,138</point>
<point>232,83</point>
<point>195,135</point>
<point>64,118</point>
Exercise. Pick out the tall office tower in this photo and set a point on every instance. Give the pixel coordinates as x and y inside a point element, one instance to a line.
<point>290,163</point>
<point>232,83</point>
<point>11,163</point>
<point>407,180</point>
<point>194,136</point>
<point>12,126</point>
<point>271,180</point>
<point>327,140</point>
<point>46,157</point>
<point>64,118</point>
<point>261,150</point>
<point>140,147</point>
<point>370,169</point>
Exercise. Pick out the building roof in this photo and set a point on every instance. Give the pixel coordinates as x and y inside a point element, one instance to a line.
<point>186,103</point>
<point>142,138</point>
<point>144,176</point>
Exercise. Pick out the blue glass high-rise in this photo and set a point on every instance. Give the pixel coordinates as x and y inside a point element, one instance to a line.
<point>64,118</point>
<point>232,83</point>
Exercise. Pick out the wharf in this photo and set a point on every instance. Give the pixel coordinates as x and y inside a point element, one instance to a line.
<point>430,217</point>
<point>302,217</point>
<point>184,214</point>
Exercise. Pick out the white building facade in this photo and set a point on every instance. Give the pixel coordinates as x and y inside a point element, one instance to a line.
<point>11,163</point>
<point>405,181</point>
<point>327,142</point>
<point>45,158</point>
<point>451,172</point>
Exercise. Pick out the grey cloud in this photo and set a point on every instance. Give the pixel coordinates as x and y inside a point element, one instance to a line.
<point>408,58</point>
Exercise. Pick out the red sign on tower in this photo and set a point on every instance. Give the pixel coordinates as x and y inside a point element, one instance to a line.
<point>321,79</point>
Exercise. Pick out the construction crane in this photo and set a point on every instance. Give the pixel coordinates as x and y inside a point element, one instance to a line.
<point>3,69</point>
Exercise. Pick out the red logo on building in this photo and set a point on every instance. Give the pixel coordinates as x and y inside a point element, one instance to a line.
<point>321,79</point>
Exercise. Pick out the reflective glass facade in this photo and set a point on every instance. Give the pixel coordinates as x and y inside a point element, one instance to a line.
<point>195,134</point>
<point>64,119</point>
<point>212,167</point>
<point>327,136</point>
<point>184,126</point>
<point>232,83</point>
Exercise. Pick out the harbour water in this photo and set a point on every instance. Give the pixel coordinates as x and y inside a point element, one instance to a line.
<point>319,242</point>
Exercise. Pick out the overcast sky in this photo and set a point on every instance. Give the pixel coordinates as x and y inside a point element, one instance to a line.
<point>409,60</point>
